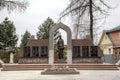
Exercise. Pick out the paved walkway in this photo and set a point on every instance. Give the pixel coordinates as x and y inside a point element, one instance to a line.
<point>84,75</point>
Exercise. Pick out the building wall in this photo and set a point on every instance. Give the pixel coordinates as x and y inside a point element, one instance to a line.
<point>106,44</point>
<point>75,42</point>
<point>82,42</point>
<point>20,54</point>
<point>85,42</point>
<point>115,38</point>
<point>45,42</point>
<point>34,42</point>
<point>106,49</point>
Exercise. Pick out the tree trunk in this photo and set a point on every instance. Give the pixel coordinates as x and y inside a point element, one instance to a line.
<point>91,19</point>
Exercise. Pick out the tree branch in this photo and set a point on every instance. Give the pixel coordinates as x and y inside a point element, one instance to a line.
<point>105,4</point>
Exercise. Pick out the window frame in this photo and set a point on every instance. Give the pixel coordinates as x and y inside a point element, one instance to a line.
<point>43,50</point>
<point>85,54</point>
<point>76,51</point>
<point>26,51</point>
<point>35,50</point>
<point>94,51</point>
<point>106,37</point>
<point>119,35</point>
<point>109,50</point>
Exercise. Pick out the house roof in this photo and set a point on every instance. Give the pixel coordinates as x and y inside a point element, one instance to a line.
<point>103,36</point>
<point>109,32</point>
<point>37,42</point>
<point>112,30</point>
<point>82,42</point>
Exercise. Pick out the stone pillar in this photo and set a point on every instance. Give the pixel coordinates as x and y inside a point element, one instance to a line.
<point>11,58</point>
<point>89,47</point>
<point>69,56</point>
<point>51,47</point>
<point>51,56</point>
<point>80,51</point>
<point>31,51</point>
<point>39,51</point>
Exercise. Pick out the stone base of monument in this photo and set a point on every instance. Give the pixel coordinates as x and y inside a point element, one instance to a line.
<point>56,70</point>
<point>60,61</point>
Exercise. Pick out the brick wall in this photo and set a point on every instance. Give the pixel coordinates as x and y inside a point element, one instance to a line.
<point>45,42</point>
<point>114,37</point>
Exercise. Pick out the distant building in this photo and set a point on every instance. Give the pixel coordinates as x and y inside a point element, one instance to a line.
<point>110,41</point>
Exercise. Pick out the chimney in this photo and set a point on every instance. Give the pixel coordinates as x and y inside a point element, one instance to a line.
<point>88,37</point>
<point>32,37</point>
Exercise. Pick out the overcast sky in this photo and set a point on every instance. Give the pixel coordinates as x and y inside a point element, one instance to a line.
<point>39,10</point>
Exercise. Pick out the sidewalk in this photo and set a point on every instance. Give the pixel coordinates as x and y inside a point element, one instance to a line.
<point>84,75</point>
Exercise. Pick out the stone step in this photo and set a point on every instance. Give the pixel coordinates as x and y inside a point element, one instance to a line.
<point>97,69</point>
<point>42,67</point>
<point>72,66</point>
<point>16,69</point>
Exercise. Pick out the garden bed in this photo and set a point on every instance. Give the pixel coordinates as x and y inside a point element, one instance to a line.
<point>55,71</point>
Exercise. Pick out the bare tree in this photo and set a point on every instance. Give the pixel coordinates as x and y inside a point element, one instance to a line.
<point>11,5</point>
<point>87,13</point>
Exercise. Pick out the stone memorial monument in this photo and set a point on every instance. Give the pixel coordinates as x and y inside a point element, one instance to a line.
<point>69,42</point>
<point>42,51</point>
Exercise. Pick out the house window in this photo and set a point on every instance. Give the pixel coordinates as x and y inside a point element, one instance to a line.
<point>109,50</point>
<point>119,51</point>
<point>94,52</point>
<point>26,51</point>
<point>119,35</point>
<point>44,51</point>
<point>76,51</point>
<point>105,37</point>
<point>35,51</point>
<point>85,51</point>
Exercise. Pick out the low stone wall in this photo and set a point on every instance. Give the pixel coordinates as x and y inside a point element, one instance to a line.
<point>32,60</point>
<point>45,60</point>
<point>86,60</point>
